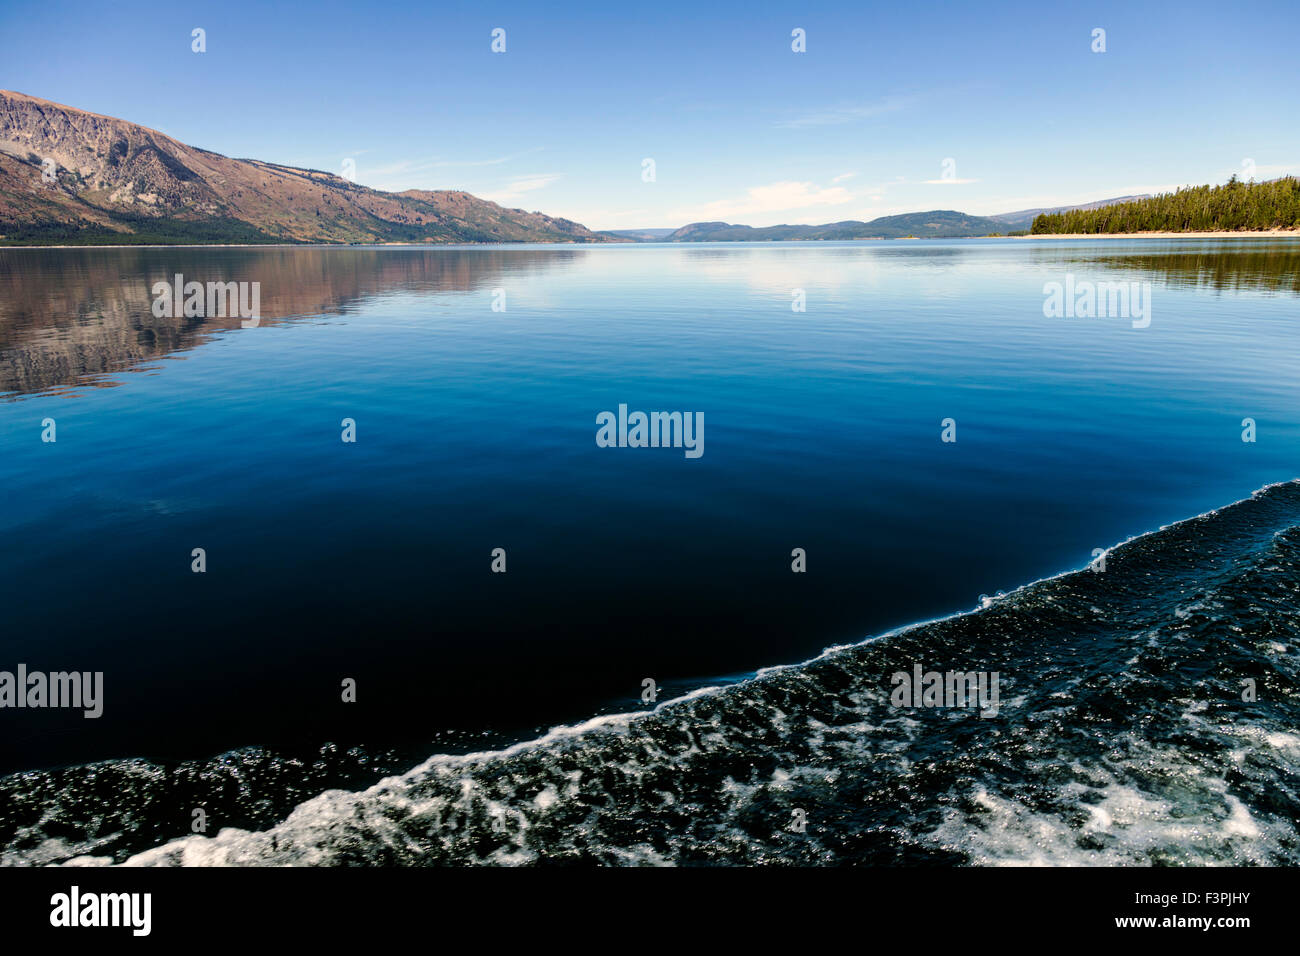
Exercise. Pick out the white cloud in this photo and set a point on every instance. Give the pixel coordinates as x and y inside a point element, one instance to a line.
<point>517,187</point>
<point>948,182</point>
<point>497,161</point>
<point>774,197</point>
<point>414,173</point>
<point>849,113</point>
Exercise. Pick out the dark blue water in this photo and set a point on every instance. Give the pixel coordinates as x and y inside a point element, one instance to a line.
<point>476,430</point>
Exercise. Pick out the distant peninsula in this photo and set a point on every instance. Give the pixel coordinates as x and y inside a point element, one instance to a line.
<point>934,224</point>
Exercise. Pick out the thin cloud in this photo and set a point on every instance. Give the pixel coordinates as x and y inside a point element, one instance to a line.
<point>414,167</point>
<point>774,197</point>
<point>1006,204</point>
<point>519,187</point>
<point>486,162</point>
<point>848,113</point>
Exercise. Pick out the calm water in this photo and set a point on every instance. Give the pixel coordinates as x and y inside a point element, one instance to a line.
<point>476,430</point>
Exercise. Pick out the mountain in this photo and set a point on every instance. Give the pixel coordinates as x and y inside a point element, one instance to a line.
<point>1024,218</point>
<point>937,224</point>
<point>639,235</point>
<point>117,182</point>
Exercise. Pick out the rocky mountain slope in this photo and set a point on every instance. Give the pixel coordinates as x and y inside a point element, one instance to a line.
<point>71,176</point>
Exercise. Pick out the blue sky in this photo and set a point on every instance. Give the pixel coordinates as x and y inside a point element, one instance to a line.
<point>739,126</point>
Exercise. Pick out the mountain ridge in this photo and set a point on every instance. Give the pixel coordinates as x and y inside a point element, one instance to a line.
<point>932,224</point>
<point>116,182</point>
<point>70,176</point>
<point>1024,218</point>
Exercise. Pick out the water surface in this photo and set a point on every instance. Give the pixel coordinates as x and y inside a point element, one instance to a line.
<point>476,430</point>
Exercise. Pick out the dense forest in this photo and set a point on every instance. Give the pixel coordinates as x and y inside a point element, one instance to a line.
<point>1236,205</point>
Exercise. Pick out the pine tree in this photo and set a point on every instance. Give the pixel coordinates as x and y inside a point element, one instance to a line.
<point>1234,206</point>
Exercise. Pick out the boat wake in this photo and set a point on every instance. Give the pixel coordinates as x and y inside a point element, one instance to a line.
<point>1147,716</point>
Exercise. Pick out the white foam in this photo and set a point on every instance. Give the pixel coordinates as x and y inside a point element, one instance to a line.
<point>1135,822</point>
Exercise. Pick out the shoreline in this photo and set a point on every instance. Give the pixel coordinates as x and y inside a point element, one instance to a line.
<point>301,245</point>
<point>1217,234</point>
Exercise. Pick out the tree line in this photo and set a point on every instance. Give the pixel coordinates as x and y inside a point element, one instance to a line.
<point>1236,205</point>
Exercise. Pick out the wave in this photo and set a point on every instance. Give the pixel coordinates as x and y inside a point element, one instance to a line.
<point>1147,716</point>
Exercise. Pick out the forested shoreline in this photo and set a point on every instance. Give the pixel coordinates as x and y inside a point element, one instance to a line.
<point>1234,206</point>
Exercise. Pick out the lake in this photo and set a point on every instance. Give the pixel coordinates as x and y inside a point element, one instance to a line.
<point>907,413</point>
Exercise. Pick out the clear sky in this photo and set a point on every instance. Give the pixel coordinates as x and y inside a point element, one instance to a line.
<point>739,126</point>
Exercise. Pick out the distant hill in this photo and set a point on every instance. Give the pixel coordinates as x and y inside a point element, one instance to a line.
<point>936,224</point>
<point>1023,218</point>
<point>639,235</point>
<point>116,182</point>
